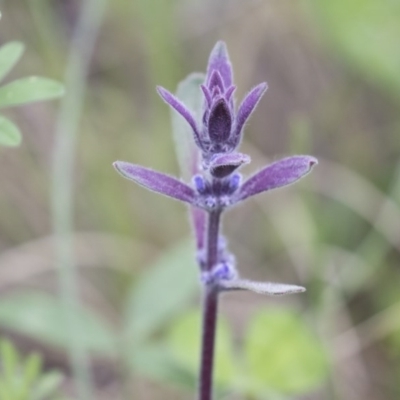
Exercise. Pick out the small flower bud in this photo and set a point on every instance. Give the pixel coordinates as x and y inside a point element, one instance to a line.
<point>199,184</point>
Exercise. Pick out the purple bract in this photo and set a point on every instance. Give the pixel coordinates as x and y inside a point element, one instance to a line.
<point>222,126</point>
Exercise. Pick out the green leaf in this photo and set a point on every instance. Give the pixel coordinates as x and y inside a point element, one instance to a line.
<point>9,133</point>
<point>283,355</point>
<point>9,360</point>
<point>27,90</point>
<point>42,316</point>
<point>10,53</point>
<point>46,386</point>
<point>366,32</point>
<point>190,94</point>
<point>162,292</point>
<point>184,344</point>
<point>32,369</point>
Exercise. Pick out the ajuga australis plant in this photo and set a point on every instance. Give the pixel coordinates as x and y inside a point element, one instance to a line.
<point>216,186</point>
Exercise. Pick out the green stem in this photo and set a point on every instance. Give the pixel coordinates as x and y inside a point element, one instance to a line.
<point>80,54</point>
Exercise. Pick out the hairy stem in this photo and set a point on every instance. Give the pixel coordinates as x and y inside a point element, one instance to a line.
<point>210,311</point>
<point>212,239</point>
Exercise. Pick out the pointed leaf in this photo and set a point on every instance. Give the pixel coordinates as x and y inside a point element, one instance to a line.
<point>27,90</point>
<point>247,106</point>
<point>9,133</point>
<point>156,181</point>
<point>268,288</point>
<point>187,152</point>
<point>278,174</point>
<point>216,81</point>
<point>228,94</point>
<point>177,105</point>
<point>219,60</point>
<point>10,53</point>
<point>207,94</point>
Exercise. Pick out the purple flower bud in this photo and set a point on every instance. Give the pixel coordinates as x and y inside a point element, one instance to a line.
<point>199,184</point>
<point>224,164</point>
<point>234,182</point>
<point>224,271</point>
<point>219,61</point>
<point>221,272</point>
<point>219,122</point>
<point>210,202</point>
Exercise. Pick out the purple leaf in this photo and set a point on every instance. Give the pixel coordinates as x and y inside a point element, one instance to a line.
<point>222,165</point>
<point>268,288</point>
<point>156,181</point>
<point>280,173</point>
<point>216,81</point>
<point>219,60</point>
<point>219,122</point>
<point>177,105</point>
<point>246,108</point>
<point>207,94</point>
<point>229,92</point>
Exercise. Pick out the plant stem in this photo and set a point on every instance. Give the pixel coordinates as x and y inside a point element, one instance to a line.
<point>210,311</point>
<point>82,48</point>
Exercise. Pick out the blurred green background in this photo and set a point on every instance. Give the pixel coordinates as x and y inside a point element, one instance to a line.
<point>119,319</point>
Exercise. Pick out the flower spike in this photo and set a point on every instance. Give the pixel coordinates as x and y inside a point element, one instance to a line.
<point>211,163</point>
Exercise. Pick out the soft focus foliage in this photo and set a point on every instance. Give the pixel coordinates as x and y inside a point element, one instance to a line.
<point>20,91</point>
<point>23,379</point>
<point>332,69</point>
